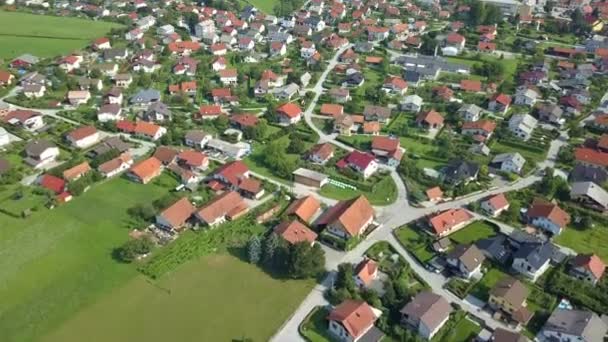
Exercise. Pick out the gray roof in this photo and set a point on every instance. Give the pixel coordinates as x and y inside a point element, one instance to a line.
<point>495,248</point>
<point>196,135</point>
<point>379,111</point>
<point>426,62</point>
<point>145,96</point>
<point>582,173</point>
<point>469,255</point>
<point>592,190</point>
<point>431,309</point>
<point>514,157</point>
<point>31,59</point>
<point>37,147</point>
<point>470,108</point>
<point>159,107</point>
<point>536,255</point>
<point>585,324</point>
<point>458,170</point>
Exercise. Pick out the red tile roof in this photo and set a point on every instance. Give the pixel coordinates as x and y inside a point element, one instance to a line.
<point>385,143</point>
<point>485,125</point>
<point>355,315</point>
<point>431,117</point>
<point>591,262</point>
<point>498,201</point>
<point>229,204</point>
<point>245,120</point>
<point>591,156</point>
<point>331,109</point>
<point>50,182</point>
<point>304,208</point>
<point>178,213</point>
<point>82,132</point>
<point>470,85</point>
<point>366,270</point>
<point>146,169</point>
<point>76,171</point>
<point>233,172</point>
<point>434,193</point>
<point>290,110</point>
<point>352,215</point>
<point>359,159</point>
<point>295,232</point>
<point>550,211</point>
<point>446,220</point>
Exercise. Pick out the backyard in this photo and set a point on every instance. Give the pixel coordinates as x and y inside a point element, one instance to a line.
<point>46,36</point>
<point>482,289</point>
<point>475,231</point>
<point>57,262</point>
<point>415,242</point>
<point>235,298</point>
<point>383,193</point>
<point>590,240</point>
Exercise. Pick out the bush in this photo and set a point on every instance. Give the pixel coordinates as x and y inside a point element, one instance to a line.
<point>134,248</point>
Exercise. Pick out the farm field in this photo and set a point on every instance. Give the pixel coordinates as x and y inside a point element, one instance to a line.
<point>266,6</point>
<point>236,299</point>
<point>57,262</point>
<point>46,36</point>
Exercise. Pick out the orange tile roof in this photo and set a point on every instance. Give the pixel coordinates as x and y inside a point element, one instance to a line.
<point>355,315</point>
<point>76,171</point>
<point>591,262</point>
<point>146,169</point>
<point>498,201</point>
<point>551,211</point>
<point>591,156</point>
<point>446,220</point>
<point>178,213</point>
<point>223,205</point>
<point>304,208</point>
<point>352,214</point>
<point>434,193</point>
<point>331,109</point>
<point>295,232</point>
<point>289,109</point>
<point>366,271</point>
<point>82,132</point>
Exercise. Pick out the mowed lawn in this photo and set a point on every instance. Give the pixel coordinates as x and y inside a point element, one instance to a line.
<point>47,36</point>
<point>58,261</point>
<point>216,298</point>
<point>266,6</point>
<point>590,240</point>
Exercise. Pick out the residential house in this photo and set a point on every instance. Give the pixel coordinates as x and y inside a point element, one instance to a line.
<point>430,120</point>
<point>289,113</point>
<point>33,90</point>
<point>339,95</point>
<point>387,149</point>
<point>500,103</point>
<point>115,166</point>
<point>394,85</point>
<point>362,162</point>
<point>76,172</point>
<point>227,206</point>
<point>146,170</point>
<point>365,273</point>
<point>351,320</point>
<point>344,124</point>
<point>459,171</point>
<point>465,260</point>
<point>508,162</point>
<point>109,112</point>
<point>526,97</point>
<point>587,173</point>
<point>449,221</point>
<point>470,112</point>
<point>295,232</point>
<point>243,121</point>
<point>304,208</point>
<point>192,160</point>
<point>321,153</point>
<point>27,119</point>
<point>434,194</point>
<point>590,195</point>
<point>480,130</point>
<point>330,109</point>
<point>157,112</point>
<point>547,216</point>
<point>456,41</point>
<point>83,137</point>
<point>551,113</point>
<point>522,125</point>
<point>176,216</point>
<point>6,78</point>
<point>566,325</point>
<point>532,259</point>
<point>78,97</point>
<point>587,267</point>
<point>411,103</point>
<point>426,313</point>
<point>377,113</point>
<point>145,97</point>
<point>473,86</point>
<point>166,155</point>
<point>40,153</point>
<point>52,183</point>
<point>503,335</point>
<point>123,80</point>
<point>509,297</point>
<point>209,111</point>
<point>141,129</point>
<point>495,205</point>
<point>348,219</point>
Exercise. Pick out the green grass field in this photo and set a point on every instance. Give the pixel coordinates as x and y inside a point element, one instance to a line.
<point>266,6</point>
<point>482,289</point>
<point>465,330</point>
<point>590,240</point>
<point>46,36</point>
<point>384,193</point>
<point>216,298</point>
<point>414,241</point>
<point>58,261</point>
<point>473,232</point>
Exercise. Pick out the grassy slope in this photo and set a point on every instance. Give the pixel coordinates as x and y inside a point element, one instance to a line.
<point>29,33</point>
<point>265,6</point>
<point>58,261</point>
<point>591,240</point>
<point>217,298</point>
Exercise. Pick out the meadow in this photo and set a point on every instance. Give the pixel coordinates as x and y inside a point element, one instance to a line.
<point>216,298</point>
<point>47,36</point>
